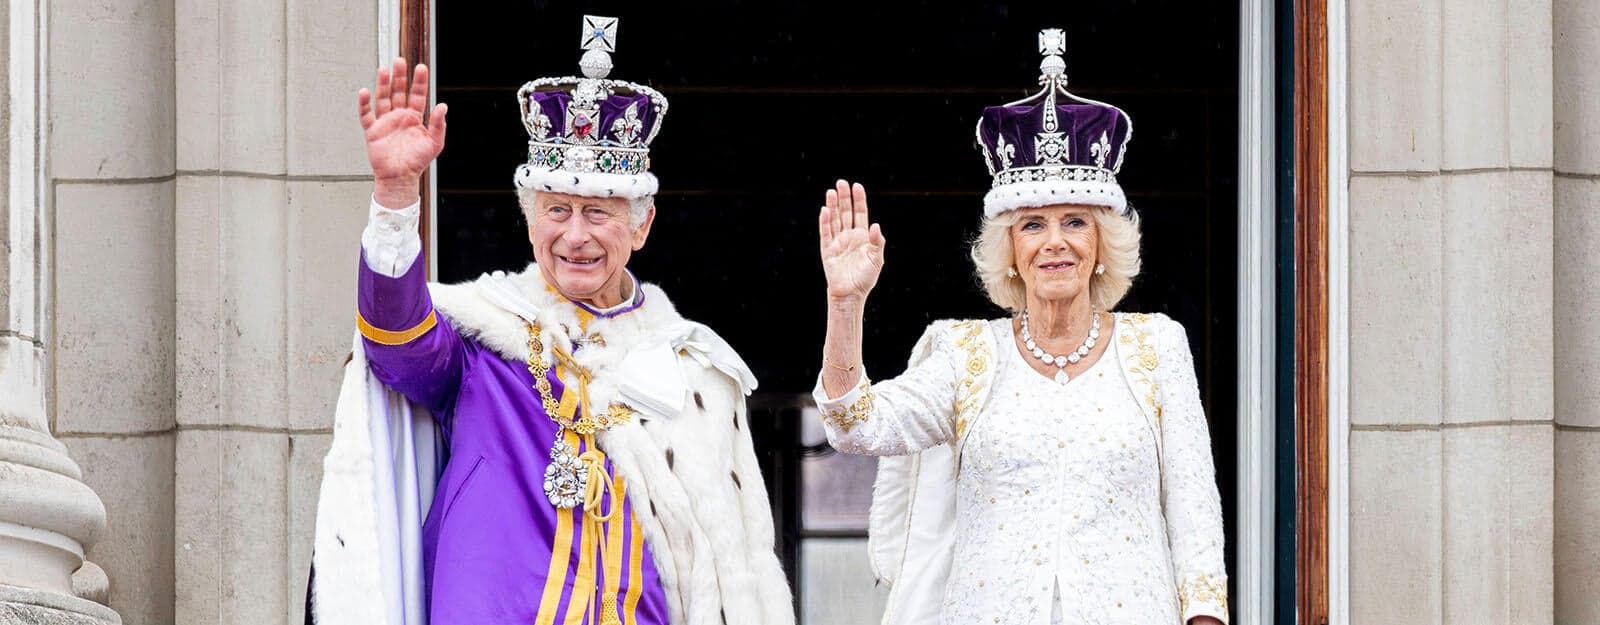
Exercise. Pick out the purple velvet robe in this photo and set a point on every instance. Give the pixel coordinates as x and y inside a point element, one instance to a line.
<point>495,550</point>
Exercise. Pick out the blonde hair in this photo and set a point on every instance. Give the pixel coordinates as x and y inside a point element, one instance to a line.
<point>1117,249</point>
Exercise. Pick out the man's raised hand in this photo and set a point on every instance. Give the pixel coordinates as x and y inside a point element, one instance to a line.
<point>399,146</point>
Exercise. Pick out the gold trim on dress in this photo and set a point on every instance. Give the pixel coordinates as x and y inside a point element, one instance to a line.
<point>972,386</point>
<point>1144,359</point>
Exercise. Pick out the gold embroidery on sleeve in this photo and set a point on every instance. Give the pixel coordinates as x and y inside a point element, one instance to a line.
<point>846,418</point>
<point>1202,590</point>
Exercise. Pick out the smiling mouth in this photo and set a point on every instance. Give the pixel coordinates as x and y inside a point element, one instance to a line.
<point>579,261</point>
<point>1058,266</point>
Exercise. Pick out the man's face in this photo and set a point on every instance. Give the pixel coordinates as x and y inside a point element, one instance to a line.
<point>583,243</point>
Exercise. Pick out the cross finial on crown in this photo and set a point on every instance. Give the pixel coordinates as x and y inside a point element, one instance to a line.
<point>1052,44</point>
<point>599,39</point>
<point>599,33</point>
<point>1052,41</point>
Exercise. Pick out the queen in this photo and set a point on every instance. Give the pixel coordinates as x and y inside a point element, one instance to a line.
<point>1054,465</point>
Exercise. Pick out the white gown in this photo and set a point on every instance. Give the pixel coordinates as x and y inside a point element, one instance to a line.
<point>1060,489</point>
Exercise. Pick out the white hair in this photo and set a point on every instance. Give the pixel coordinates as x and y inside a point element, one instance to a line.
<point>638,207</point>
<point>1117,249</point>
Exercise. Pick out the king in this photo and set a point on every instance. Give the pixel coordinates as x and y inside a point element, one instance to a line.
<point>556,445</point>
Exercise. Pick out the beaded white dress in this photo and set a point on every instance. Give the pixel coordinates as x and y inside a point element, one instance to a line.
<point>1067,509</point>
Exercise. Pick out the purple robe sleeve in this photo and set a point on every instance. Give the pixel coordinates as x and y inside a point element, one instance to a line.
<point>410,346</point>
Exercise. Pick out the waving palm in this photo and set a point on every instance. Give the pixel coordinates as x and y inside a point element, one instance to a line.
<point>852,246</point>
<point>399,146</point>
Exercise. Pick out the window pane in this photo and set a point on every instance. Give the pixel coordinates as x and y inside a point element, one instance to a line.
<point>836,584</point>
<point>836,489</point>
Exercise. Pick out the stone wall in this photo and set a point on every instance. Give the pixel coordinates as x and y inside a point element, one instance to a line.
<point>272,193</point>
<point>110,100</point>
<point>48,515</point>
<point>209,189</point>
<point>1458,302</point>
<point>1577,327</point>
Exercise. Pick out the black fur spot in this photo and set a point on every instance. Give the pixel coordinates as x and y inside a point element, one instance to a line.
<point>340,539</point>
<point>724,612</point>
<point>643,420</point>
<point>735,421</point>
<point>652,508</point>
<point>698,401</point>
<point>548,188</point>
<point>736,483</point>
<point>669,457</point>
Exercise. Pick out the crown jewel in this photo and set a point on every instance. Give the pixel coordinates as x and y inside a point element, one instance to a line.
<point>590,135</point>
<point>1053,147</point>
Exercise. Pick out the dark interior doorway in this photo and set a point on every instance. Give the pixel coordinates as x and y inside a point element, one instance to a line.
<point>770,102</point>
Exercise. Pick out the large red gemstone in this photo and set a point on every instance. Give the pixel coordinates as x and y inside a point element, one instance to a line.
<point>581,126</point>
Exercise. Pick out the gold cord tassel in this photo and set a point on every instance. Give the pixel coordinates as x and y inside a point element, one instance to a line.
<point>608,613</point>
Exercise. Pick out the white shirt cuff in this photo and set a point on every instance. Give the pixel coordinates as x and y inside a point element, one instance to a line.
<point>390,241</point>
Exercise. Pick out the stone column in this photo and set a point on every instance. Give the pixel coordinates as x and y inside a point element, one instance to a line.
<point>48,515</point>
<point>109,90</point>
<point>271,195</point>
<point>1577,285</point>
<point>1451,332</point>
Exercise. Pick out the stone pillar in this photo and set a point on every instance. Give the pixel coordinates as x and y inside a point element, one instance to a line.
<point>271,195</point>
<point>110,96</point>
<point>48,515</point>
<point>1451,331</point>
<point>1577,332</point>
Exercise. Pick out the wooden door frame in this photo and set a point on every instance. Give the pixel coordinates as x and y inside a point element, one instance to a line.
<point>1311,300</point>
<point>1311,271</point>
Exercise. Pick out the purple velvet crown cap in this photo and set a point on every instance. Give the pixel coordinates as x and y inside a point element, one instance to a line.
<point>590,136</point>
<point>1053,147</point>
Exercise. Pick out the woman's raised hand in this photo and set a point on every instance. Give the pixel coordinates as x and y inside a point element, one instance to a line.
<point>399,146</point>
<point>852,246</point>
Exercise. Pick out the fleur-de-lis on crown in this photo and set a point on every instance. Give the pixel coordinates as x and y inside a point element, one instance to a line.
<point>537,122</point>
<point>1004,151</point>
<point>628,127</point>
<point>1100,150</point>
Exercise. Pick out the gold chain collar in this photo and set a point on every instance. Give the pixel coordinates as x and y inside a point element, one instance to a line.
<point>589,421</point>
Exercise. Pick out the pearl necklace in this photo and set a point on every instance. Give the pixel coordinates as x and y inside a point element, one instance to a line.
<point>1072,357</point>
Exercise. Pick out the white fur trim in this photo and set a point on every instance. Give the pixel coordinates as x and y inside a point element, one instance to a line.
<point>347,554</point>
<point>592,184</point>
<point>1046,192</point>
<point>711,537</point>
<point>367,546</point>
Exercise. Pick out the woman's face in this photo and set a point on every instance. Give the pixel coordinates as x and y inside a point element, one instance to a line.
<point>1055,249</point>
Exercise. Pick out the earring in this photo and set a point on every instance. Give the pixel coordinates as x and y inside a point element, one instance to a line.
<point>1099,270</point>
<point>1011,272</point>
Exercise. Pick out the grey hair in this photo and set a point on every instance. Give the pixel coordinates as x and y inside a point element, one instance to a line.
<point>1117,249</point>
<point>638,207</point>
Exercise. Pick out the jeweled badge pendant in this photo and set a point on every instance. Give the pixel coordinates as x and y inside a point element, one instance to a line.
<point>1061,376</point>
<point>564,479</point>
